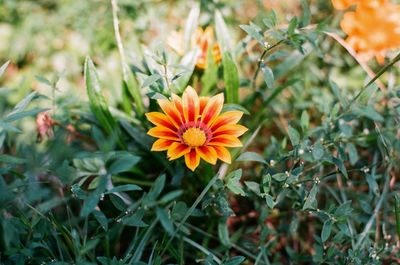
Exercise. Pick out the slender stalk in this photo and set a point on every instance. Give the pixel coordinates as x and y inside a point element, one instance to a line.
<point>118,39</point>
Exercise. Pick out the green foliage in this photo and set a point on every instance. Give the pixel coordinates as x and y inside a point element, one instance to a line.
<point>315,181</point>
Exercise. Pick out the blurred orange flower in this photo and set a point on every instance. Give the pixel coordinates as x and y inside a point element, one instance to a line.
<point>193,127</point>
<point>373,29</point>
<point>201,39</point>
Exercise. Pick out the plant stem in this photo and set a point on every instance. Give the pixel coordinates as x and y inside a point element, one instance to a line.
<point>118,38</point>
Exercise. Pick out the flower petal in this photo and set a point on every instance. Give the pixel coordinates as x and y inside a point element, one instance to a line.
<point>213,108</point>
<point>191,104</point>
<point>225,140</point>
<point>178,104</point>
<point>223,154</point>
<point>169,108</point>
<point>162,144</point>
<point>229,117</point>
<point>164,133</point>
<point>192,159</point>
<point>158,118</point>
<point>230,129</point>
<point>208,153</point>
<point>203,103</point>
<point>177,150</point>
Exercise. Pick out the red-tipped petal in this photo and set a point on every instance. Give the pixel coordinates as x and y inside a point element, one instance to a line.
<point>178,104</point>
<point>203,103</point>
<point>213,108</point>
<point>162,144</point>
<point>207,153</point>
<point>226,140</point>
<point>163,133</point>
<point>192,159</point>
<point>230,129</point>
<point>177,150</point>
<point>223,154</point>
<point>160,119</point>
<point>191,105</point>
<point>173,114</point>
<point>229,117</point>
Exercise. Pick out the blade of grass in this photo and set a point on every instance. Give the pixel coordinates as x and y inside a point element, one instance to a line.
<point>397,212</point>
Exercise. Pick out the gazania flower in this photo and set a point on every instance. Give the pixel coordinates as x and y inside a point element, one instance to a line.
<point>373,29</point>
<point>193,127</point>
<point>201,39</point>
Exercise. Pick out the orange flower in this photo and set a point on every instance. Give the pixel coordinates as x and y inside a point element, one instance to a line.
<point>373,28</point>
<point>201,39</point>
<point>193,127</point>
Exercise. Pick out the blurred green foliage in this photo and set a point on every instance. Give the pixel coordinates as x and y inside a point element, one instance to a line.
<point>315,182</point>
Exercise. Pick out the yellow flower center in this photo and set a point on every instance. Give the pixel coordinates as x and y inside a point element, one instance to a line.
<point>194,137</point>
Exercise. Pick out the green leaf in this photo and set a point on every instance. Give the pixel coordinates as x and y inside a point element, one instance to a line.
<point>223,233</point>
<point>292,26</point>
<point>254,32</point>
<point>188,62</point>
<point>19,115</point>
<point>171,196</point>
<point>132,86</point>
<point>151,80</point>
<point>231,107</point>
<point>305,121</point>
<point>270,201</point>
<point>353,154</point>
<point>234,261</point>
<point>3,68</point>
<point>101,218</point>
<point>122,162</point>
<point>127,187</point>
<point>157,188</point>
<point>336,92</point>
<point>231,78</point>
<point>97,101</point>
<point>326,230</point>
<point>43,80</point>
<point>233,182</point>
<point>294,136</point>
<point>318,151</point>
<point>268,75</point>
<point>251,156</point>
<point>179,211</point>
<point>311,197</point>
<point>164,219</point>
<point>7,159</point>
<point>369,112</point>
<point>253,186</point>
<point>279,176</point>
<point>92,200</point>
<point>341,167</point>
<point>135,219</point>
